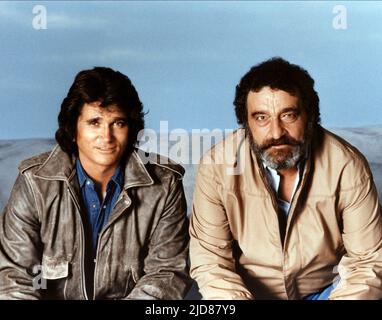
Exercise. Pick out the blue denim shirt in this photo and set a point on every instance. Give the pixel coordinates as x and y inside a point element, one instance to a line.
<point>98,213</point>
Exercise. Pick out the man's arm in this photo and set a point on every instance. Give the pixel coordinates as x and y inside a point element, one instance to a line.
<point>166,271</point>
<point>360,269</point>
<point>212,262</point>
<point>20,245</point>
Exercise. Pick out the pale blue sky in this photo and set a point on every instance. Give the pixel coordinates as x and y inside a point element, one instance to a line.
<point>185,58</point>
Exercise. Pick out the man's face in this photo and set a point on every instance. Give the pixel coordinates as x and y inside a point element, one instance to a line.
<point>276,123</point>
<point>102,135</point>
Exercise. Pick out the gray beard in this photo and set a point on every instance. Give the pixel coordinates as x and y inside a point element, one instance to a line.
<point>289,162</point>
<point>297,153</point>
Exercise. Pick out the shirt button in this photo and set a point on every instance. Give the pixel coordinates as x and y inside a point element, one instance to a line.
<point>94,205</point>
<point>88,182</point>
<point>104,207</point>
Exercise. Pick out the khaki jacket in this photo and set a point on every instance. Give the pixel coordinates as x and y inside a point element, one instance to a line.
<point>142,251</point>
<point>241,249</point>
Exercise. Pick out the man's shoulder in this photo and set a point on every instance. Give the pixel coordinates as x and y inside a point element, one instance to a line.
<point>228,159</point>
<point>33,162</point>
<point>40,160</point>
<point>339,153</point>
<point>226,151</point>
<point>161,163</point>
<point>340,148</point>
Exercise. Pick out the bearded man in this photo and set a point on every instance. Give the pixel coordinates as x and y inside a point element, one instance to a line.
<point>300,219</point>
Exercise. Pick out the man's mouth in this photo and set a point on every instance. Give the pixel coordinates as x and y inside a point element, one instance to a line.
<point>106,149</point>
<point>280,146</point>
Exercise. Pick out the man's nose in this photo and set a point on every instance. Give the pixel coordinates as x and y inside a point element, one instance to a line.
<point>107,133</point>
<point>277,130</point>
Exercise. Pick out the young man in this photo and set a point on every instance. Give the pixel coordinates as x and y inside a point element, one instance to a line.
<point>90,220</point>
<point>282,205</point>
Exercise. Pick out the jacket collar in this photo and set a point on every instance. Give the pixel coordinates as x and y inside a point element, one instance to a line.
<point>136,173</point>
<point>60,166</point>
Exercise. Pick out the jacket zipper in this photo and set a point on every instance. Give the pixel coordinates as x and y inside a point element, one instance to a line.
<point>275,206</point>
<point>98,244</point>
<point>291,209</point>
<point>273,197</point>
<point>82,245</point>
<point>95,265</point>
<point>303,180</point>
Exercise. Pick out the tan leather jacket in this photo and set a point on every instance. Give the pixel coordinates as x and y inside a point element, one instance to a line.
<point>142,251</point>
<point>239,250</point>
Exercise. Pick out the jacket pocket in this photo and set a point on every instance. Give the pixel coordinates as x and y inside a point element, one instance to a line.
<point>54,268</point>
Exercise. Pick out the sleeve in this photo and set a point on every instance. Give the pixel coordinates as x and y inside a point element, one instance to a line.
<point>20,245</point>
<point>211,253</point>
<point>165,266</point>
<point>360,269</point>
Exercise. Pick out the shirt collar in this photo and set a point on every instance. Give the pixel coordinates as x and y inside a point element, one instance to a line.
<point>118,177</point>
<point>83,177</point>
<point>81,174</point>
<point>274,178</point>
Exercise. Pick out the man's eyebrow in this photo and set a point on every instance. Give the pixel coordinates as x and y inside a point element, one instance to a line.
<point>255,113</point>
<point>97,118</point>
<point>122,118</point>
<point>291,108</point>
<point>92,118</point>
<point>287,109</point>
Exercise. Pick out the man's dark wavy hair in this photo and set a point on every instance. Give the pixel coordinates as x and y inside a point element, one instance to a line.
<point>278,73</point>
<point>110,88</point>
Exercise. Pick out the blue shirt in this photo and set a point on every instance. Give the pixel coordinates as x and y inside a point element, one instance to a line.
<point>98,213</point>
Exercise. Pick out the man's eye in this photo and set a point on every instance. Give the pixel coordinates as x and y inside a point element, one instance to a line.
<point>261,118</point>
<point>120,123</point>
<point>93,122</point>
<point>289,116</point>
